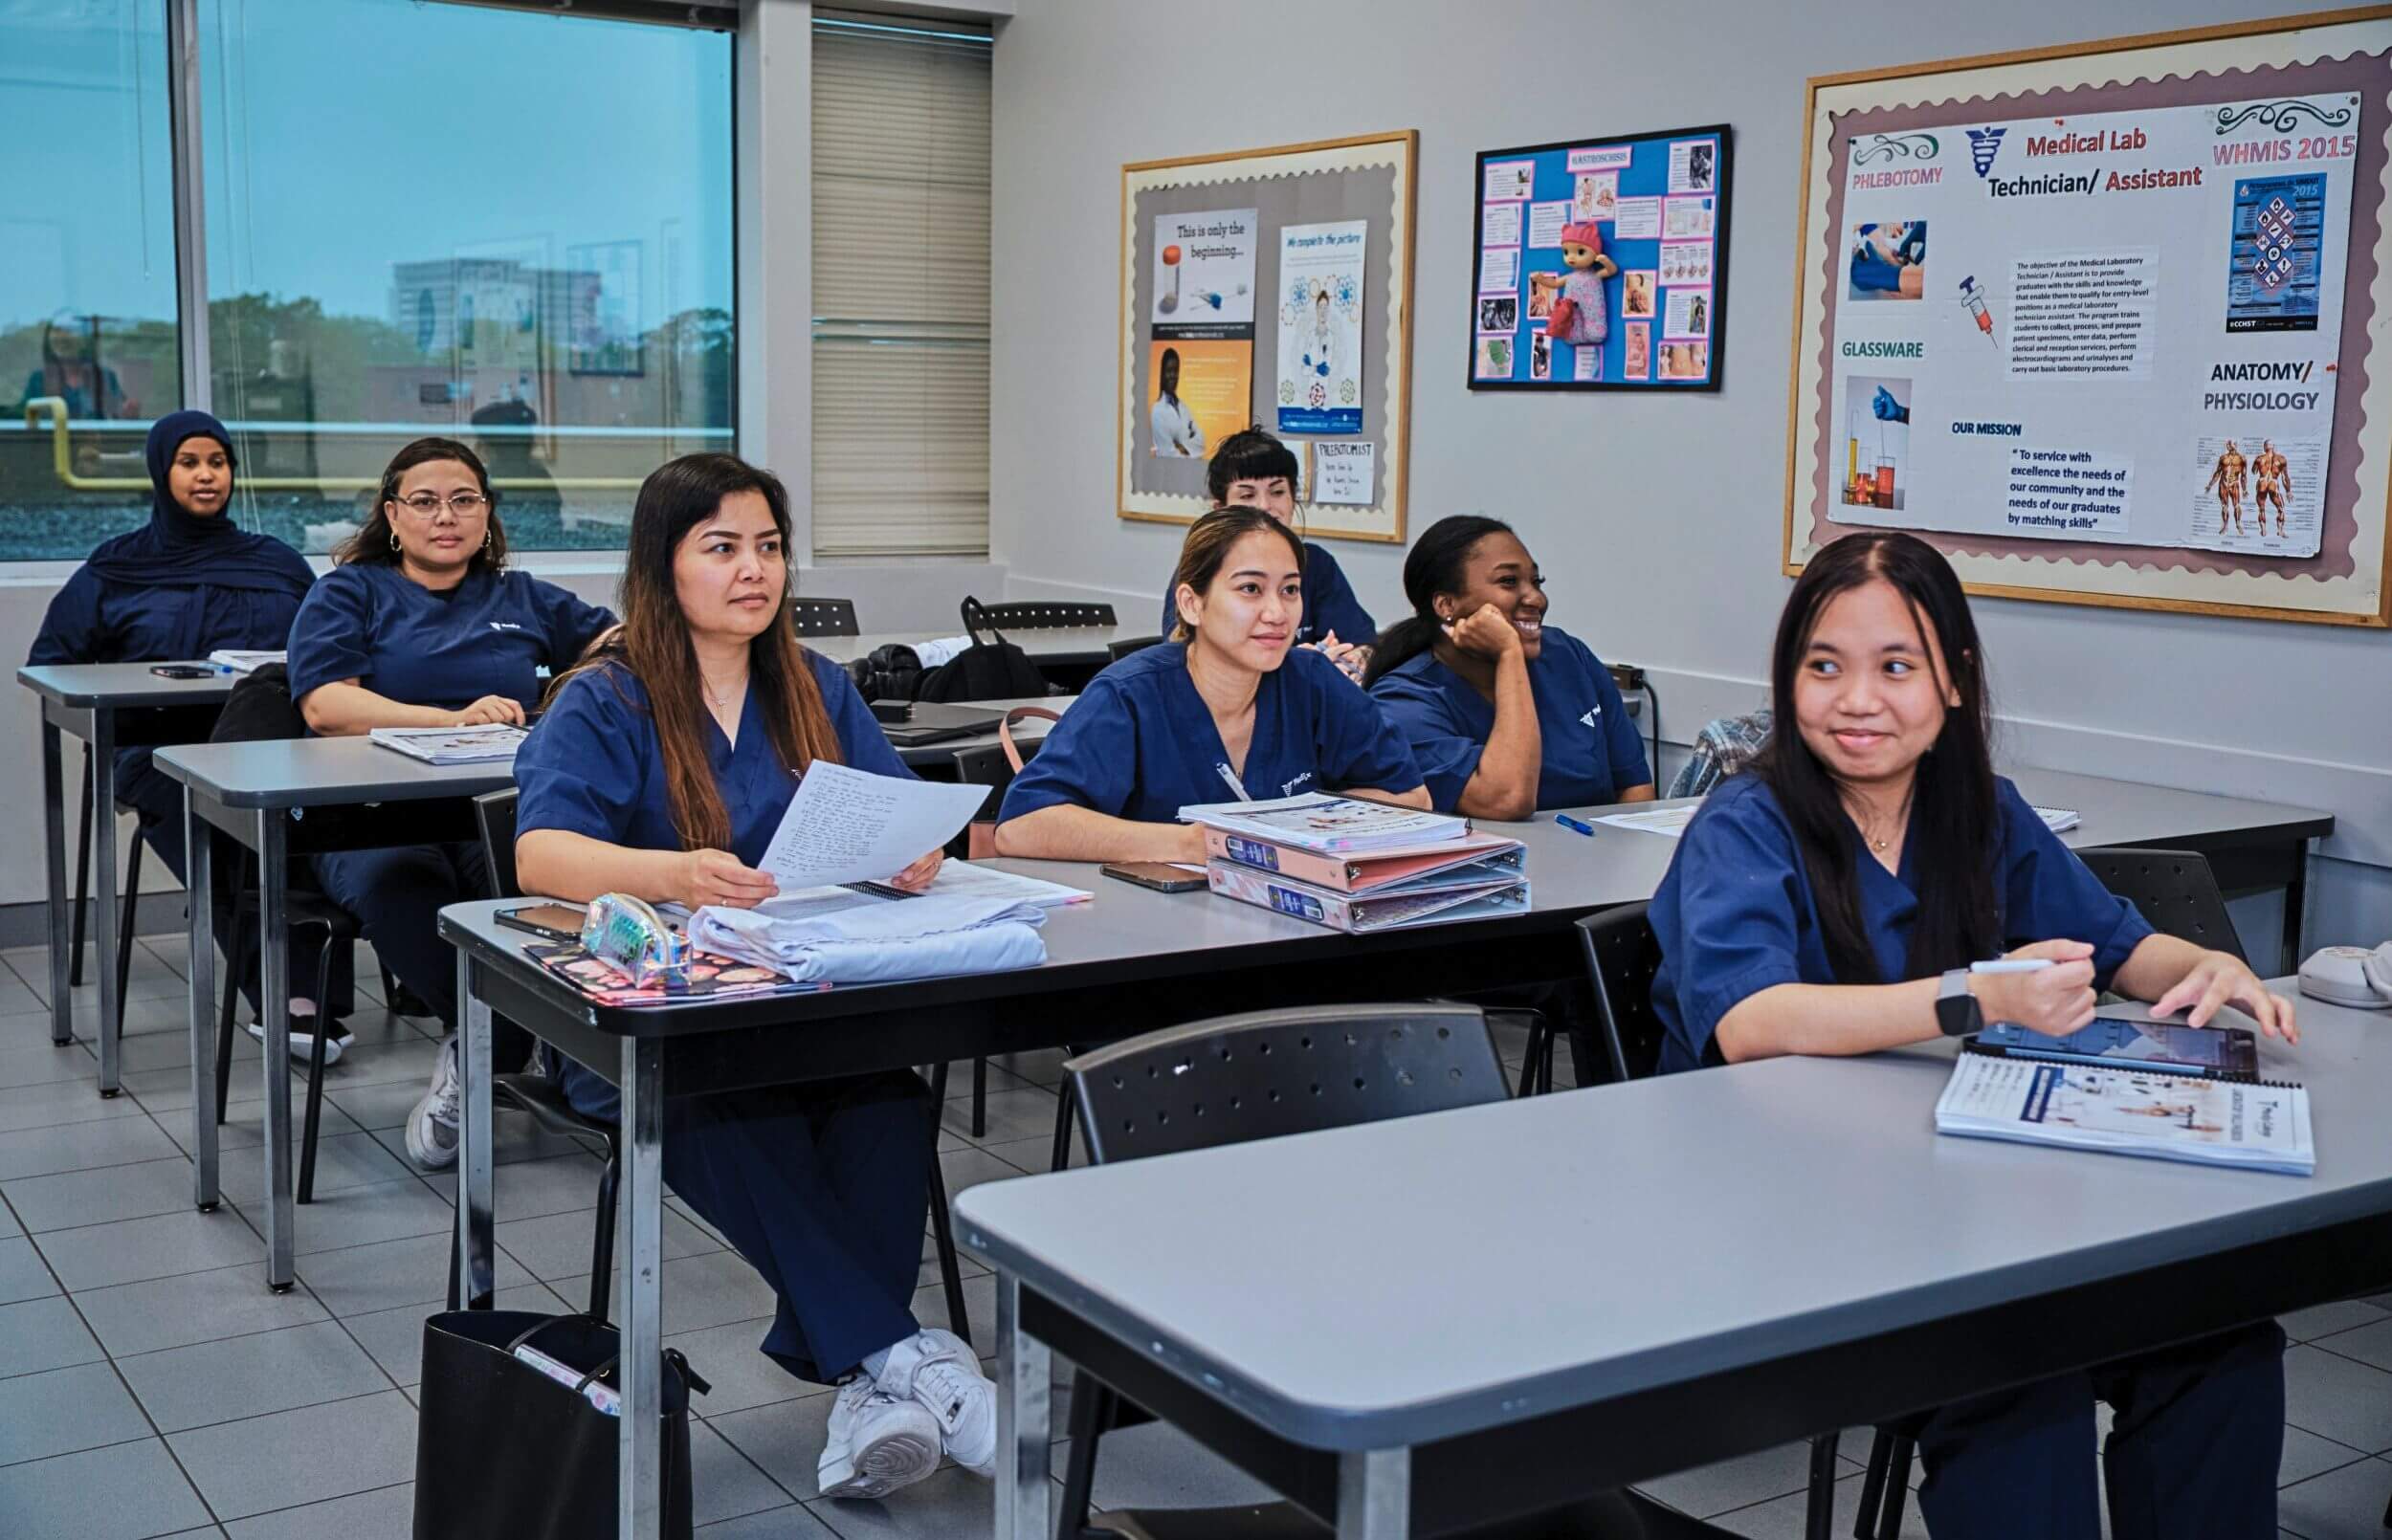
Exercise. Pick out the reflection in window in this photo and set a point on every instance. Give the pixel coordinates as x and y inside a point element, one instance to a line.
<point>88,344</point>
<point>531,263</point>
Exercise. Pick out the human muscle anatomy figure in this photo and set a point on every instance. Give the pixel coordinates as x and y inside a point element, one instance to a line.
<point>2226,476</point>
<point>2274,475</point>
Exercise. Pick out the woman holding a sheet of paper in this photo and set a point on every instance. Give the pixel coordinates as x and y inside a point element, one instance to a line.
<point>662,769</point>
<point>1227,708</point>
<point>420,624</point>
<point>1869,882</point>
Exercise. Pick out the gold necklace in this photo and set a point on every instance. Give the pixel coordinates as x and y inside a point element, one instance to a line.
<point>719,703</point>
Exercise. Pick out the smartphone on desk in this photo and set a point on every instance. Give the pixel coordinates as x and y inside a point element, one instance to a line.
<point>1161,876</point>
<point>550,922</point>
<point>185,670</point>
<point>2164,1047</point>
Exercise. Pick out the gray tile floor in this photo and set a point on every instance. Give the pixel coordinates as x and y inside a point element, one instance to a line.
<point>150,1386</point>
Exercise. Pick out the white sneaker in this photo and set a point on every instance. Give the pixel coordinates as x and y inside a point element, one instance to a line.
<point>432,1126</point>
<point>878,1442</point>
<point>303,1039</point>
<point>937,1371</point>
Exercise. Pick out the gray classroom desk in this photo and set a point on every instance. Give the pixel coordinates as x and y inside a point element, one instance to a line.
<point>110,706</point>
<point>1393,1328</point>
<point>276,799</point>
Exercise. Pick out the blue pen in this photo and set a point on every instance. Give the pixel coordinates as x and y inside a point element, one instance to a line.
<point>1569,823</point>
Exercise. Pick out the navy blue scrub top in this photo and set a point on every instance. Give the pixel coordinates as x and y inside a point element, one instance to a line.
<point>1736,914</point>
<point>1591,751</point>
<point>593,765</point>
<point>490,635</point>
<point>1329,604</point>
<point>1139,742</point>
<point>94,620</point>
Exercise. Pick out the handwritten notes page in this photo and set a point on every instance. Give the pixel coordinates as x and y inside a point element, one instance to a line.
<point>849,826</point>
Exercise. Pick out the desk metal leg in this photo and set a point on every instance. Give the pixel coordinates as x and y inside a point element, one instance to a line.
<point>273,1004</point>
<point>639,1496</point>
<point>475,1285</point>
<point>1024,1411</point>
<point>103,828</point>
<point>54,863</point>
<point>199,840</point>
<point>1375,1494</point>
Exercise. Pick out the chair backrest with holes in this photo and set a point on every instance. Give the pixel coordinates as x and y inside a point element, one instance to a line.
<point>1622,957</point>
<point>823,617</point>
<point>493,813</point>
<point>2175,889</point>
<point>1287,1072</point>
<point>1046,615</point>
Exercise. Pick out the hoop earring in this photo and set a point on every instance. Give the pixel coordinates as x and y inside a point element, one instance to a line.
<point>394,541</point>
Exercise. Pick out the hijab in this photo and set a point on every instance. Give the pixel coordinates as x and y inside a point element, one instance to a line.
<point>180,549</point>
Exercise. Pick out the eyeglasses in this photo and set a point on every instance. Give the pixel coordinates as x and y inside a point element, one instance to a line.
<point>426,505</point>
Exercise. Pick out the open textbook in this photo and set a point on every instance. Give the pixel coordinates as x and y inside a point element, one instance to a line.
<point>451,745</point>
<point>2262,1126</point>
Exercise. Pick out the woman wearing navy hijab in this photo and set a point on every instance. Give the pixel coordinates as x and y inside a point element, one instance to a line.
<point>421,625</point>
<point>183,585</point>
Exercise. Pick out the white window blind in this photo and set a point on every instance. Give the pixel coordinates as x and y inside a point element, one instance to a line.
<point>900,288</point>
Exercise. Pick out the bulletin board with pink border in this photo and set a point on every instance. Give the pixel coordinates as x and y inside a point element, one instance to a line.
<point>1600,263</point>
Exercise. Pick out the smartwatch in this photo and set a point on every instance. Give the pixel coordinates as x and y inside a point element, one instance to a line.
<point>1956,1011</point>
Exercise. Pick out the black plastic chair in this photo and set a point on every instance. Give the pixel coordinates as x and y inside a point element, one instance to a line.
<point>1116,651</point>
<point>2175,889</point>
<point>1259,1076</point>
<point>824,617</point>
<point>128,901</point>
<point>1046,615</point>
<point>305,910</point>
<point>1623,955</point>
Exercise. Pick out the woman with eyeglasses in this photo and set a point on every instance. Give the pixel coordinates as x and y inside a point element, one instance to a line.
<point>420,624</point>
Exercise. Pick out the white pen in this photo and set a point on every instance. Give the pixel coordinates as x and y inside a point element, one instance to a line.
<point>2011,965</point>
<point>1236,785</point>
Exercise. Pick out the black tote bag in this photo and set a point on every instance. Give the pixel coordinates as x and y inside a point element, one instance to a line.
<point>503,1452</point>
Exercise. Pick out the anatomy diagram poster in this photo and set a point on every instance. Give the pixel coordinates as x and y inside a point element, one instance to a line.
<point>1321,327</point>
<point>2120,327</point>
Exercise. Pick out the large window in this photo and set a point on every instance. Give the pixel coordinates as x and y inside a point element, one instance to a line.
<point>509,227</point>
<point>88,347</point>
<point>900,288</point>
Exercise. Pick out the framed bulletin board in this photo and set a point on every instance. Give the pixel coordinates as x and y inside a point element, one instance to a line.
<point>1600,263</point>
<point>1270,288</point>
<point>2097,321</point>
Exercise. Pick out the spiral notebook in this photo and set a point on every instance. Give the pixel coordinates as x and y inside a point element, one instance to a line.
<point>2257,1125</point>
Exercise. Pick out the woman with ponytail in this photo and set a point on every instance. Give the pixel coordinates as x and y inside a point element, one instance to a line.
<point>1505,713</point>
<point>1830,901</point>
<point>661,769</point>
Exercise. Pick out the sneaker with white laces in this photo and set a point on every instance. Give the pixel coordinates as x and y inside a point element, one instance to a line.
<point>432,1126</point>
<point>303,1039</point>
<point>937,1371</point>
<point>877,1444</point>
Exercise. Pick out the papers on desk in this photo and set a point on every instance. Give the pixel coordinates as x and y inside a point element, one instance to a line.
<point>849,826</point>
<point>2059,820</point>
<point>848,936</point>
<point>2261,1127</point>
<point>1317,821</point>
<point>240,662</point>
<point>451,745</point>
<point>961,879</point>
<point>1670,822</point>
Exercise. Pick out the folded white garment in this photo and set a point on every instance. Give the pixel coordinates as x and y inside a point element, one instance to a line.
<point>838,936</point>
<point>942,651</point>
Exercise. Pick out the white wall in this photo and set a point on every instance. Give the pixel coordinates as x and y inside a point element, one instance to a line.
<point>1656,517</point>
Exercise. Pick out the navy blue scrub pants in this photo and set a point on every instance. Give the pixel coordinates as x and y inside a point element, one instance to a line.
<point>397,894</point>
<point>2192,1452</point>
<point>824,1187</point>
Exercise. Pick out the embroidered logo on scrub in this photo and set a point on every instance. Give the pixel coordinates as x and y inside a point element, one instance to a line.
<point>504,625</point>
<point>1287,788</point>
<point>1589,717</point>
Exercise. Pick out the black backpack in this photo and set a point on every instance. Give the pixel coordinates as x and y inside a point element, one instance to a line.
<point>994,669</point>
<point>893,673</point>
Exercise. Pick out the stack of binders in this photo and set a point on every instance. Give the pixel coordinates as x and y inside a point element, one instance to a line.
<point>1477,876</point>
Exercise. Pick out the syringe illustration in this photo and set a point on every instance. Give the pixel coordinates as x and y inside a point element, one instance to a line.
<point>1973,298</point>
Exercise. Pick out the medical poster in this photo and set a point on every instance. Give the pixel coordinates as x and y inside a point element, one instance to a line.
<point>1601,264</point>
<point>1205,269</point>
<point>1196,394</point>
<point>2116,327</point>
<point>1321,327</point>
<point>1200,357</point>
